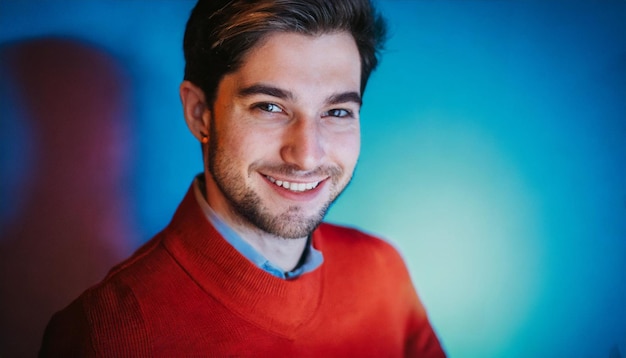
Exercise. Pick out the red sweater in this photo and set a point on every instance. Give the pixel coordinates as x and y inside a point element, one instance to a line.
<point>187,292</point>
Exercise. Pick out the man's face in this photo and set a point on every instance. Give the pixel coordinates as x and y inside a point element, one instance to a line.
<point>284,133</point>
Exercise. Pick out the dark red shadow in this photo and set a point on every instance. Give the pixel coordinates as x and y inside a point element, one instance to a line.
<point>72,217</point>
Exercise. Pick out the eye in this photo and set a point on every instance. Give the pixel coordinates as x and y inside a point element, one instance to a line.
<point>268,107</point>
<point>339,113</point>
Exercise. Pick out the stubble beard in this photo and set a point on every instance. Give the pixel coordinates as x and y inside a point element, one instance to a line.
<point>247,205</point>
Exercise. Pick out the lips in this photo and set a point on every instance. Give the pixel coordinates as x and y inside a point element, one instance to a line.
<point>295,187</point>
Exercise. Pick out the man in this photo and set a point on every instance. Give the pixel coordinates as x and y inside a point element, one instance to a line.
<point>273,91</point>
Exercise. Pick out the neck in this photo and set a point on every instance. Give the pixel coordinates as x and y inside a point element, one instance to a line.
<point>284,253</point>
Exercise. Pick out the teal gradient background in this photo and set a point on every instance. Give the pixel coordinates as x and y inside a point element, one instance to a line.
<point>493,156</point>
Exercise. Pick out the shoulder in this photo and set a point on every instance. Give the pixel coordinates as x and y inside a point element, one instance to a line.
<point>360,262</point>
<point>337,235</point>
<point>339,241</point>
<point>107,317</point>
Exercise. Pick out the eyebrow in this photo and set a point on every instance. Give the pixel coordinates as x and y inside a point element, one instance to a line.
<point>284,94</point>
<point>265,89</point>
<point>345,97</point>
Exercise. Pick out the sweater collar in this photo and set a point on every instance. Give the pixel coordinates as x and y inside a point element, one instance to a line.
<point>222,272</point>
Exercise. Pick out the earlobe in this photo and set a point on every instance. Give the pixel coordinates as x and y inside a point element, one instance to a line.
<point>195,110</point>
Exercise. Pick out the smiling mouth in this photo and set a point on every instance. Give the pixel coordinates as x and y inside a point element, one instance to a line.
<point>293,186</point>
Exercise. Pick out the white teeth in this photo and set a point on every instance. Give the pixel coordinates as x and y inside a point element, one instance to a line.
<point>294,186</point>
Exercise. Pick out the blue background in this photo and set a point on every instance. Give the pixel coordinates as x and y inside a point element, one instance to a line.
<point>493,156</point>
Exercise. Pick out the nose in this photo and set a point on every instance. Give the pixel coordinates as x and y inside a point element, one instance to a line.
<point>303,144</point>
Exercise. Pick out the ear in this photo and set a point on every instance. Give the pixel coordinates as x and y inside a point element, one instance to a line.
<point>195,109</point>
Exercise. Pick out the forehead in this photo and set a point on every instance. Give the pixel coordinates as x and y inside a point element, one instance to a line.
<point>301,61</point>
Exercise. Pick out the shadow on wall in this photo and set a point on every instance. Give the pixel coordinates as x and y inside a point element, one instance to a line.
<point>65,132</point>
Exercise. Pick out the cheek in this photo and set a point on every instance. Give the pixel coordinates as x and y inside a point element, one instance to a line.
<point>355,151</point>
<point>347,152</point>
<point>246,145</point>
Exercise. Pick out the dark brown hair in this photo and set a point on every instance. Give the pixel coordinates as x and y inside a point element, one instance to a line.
<point>220,32</point>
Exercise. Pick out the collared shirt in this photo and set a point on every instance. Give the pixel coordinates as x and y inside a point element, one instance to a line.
<point>311,257</point>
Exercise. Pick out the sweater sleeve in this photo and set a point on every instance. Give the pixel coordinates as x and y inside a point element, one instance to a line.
<point>388,279</point>
<point>68,334</point>
<point>421,339</point>
<point>102,322</point>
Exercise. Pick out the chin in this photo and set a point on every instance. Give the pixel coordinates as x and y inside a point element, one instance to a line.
<point>291,224</point>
